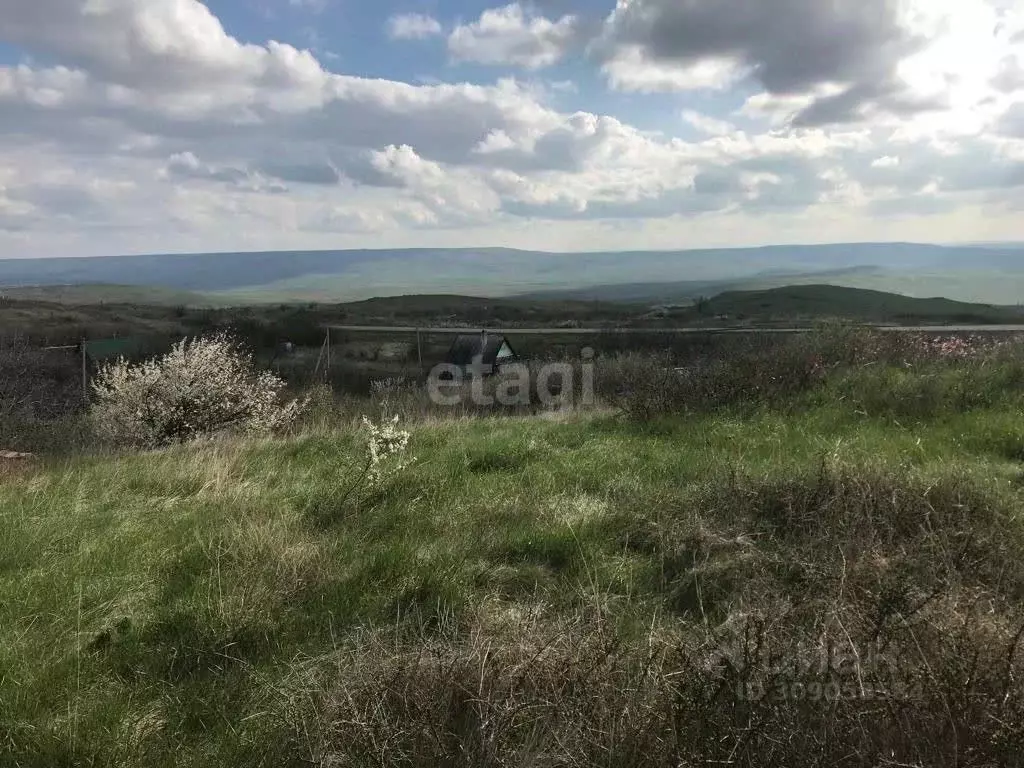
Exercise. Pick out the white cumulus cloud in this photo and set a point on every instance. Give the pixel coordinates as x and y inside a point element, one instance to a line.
<point>413,26</point>
<point>133,122</point>
<point>513,36</point>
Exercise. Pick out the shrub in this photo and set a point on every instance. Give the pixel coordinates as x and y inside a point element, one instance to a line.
<point>385,457</point>
<point>763,374</point>
<point>203,386</point>
<point>385,448</point>
<point>37,384</point>
<point>924,377</point>
<point>906,375</point>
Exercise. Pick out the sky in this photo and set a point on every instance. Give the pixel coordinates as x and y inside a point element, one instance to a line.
<point>155,126</point>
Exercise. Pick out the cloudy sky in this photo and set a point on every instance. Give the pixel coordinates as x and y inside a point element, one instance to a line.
<point>176,125</point>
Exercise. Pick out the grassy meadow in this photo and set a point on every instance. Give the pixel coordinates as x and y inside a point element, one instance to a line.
<point>818,565</point>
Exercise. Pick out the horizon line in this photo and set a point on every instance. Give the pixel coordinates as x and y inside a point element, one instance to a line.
<point>481,248</point>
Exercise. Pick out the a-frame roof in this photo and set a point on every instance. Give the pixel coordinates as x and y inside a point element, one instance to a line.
<point>491,347</point>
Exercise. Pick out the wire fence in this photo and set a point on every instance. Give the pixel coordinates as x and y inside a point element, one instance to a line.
<point>55,379</point>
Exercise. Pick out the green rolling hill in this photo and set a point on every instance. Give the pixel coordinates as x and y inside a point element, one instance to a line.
<point>817,302</point>
<point>71,318</point>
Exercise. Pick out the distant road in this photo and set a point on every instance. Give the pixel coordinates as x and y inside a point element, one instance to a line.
<point>681,330</point>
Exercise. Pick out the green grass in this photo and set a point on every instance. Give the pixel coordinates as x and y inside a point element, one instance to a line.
<point>529,592</point>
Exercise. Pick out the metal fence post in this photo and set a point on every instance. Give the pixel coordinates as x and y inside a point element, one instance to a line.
<point>419,349</point>
<point>85,375</point>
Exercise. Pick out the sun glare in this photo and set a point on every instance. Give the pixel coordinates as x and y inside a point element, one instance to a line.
<point>967,43</point>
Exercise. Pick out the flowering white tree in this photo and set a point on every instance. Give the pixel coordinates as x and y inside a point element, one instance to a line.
<point>201,387</point>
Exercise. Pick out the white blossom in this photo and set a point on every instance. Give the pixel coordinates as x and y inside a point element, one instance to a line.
<point>200,387</point>
<point>385,448</point>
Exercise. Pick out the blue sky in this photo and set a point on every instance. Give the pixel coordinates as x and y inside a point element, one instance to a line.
<point>131,126</point>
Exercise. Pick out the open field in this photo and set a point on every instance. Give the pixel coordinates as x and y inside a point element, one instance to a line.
<point>105,294</point>
<point>42,382</point>
<point>59,322</point>
<point>56,316</point>
<point>799,555</point>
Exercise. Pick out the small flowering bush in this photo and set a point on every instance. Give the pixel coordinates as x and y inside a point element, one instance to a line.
<point>955,348</point>
<point>385,456</point>
<point>385,448</point>
<point>201,387</point>
<point>865,347</point>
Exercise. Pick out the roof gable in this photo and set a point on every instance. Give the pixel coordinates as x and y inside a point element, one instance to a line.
<point>491,348</point>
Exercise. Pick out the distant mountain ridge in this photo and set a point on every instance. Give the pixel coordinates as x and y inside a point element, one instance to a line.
<point>985,273</point>
<point>671,292</point>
